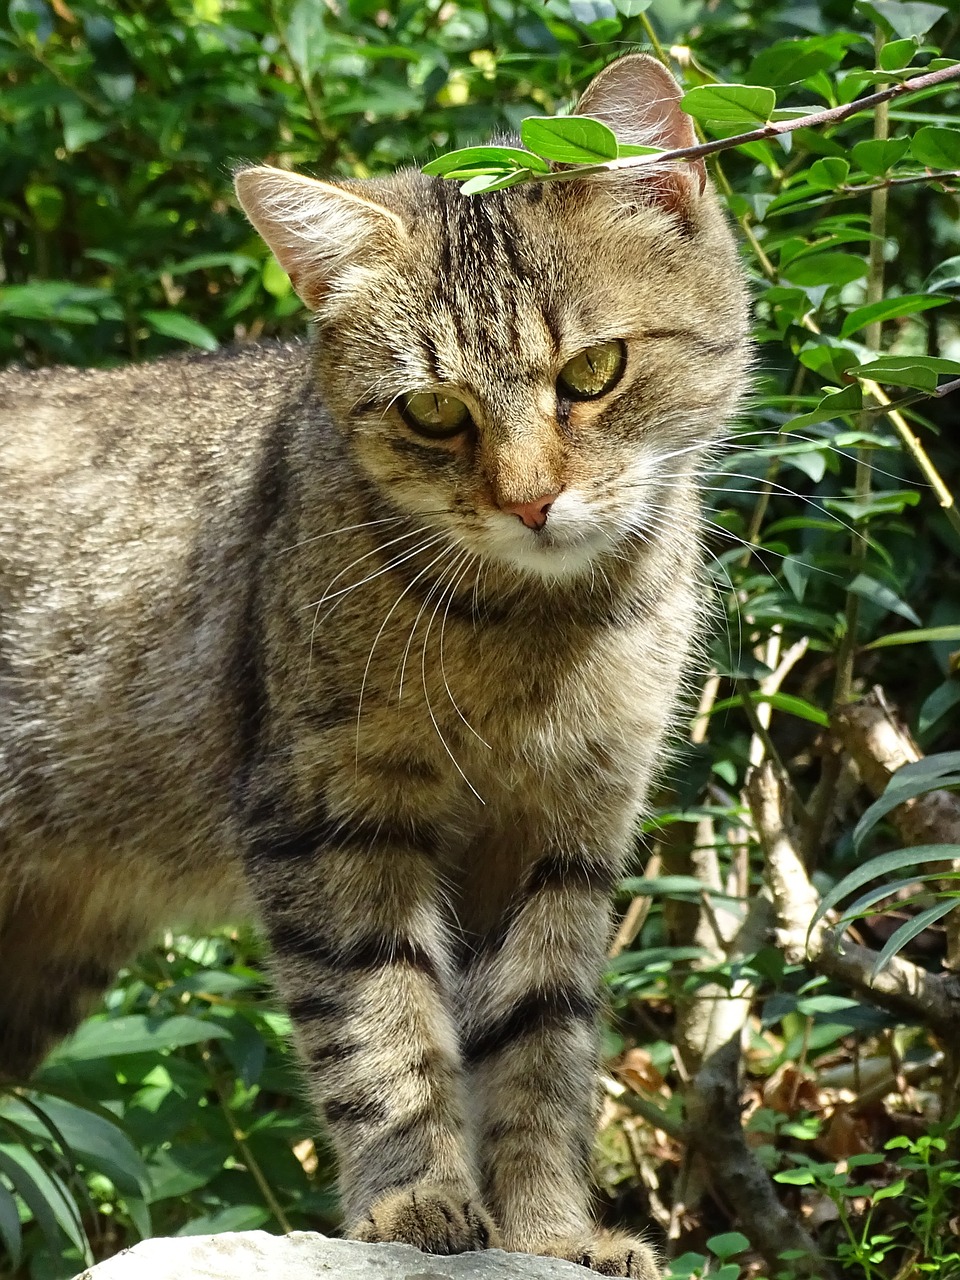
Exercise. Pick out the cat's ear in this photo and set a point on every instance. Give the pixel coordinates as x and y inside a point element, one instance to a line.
<point>638,98</point>
<point>317,230</point>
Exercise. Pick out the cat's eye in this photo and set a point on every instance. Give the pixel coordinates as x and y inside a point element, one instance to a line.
<point>434,414</point>
<point>593,372</point>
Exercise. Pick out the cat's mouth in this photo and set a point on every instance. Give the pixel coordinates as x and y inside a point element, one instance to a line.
<point>565,546</point>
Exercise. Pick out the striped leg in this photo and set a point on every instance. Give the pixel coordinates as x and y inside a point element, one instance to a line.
<point>361,959</point>
<point>531,1001</point>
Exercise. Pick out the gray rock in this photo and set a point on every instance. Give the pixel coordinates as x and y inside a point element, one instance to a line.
<point>255,1255</point>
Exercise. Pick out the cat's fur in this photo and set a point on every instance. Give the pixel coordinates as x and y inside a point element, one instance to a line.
<point>264,650</point>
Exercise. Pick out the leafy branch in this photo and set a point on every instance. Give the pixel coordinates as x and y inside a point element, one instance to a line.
<point>588,146</point>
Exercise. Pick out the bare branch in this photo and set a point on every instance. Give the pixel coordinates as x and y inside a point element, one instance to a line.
<point>902,987</point>
<point>715,1132</point>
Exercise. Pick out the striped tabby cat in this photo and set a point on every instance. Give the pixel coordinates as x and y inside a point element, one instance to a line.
<point>377,639</point>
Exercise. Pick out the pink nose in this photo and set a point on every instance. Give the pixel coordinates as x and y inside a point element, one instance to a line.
<point>533,514</point>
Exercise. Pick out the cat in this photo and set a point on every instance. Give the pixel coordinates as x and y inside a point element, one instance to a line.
<point>377,639</point>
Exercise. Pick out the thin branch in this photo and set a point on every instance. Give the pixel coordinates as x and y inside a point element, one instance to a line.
<point>715,1131</point>
<point>902,987</point>
<point>773,129</point>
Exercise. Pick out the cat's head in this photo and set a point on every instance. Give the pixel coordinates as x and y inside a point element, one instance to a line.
<point>533,370</point>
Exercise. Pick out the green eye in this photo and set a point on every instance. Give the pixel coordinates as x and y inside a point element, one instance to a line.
<point>593,372</point>
<point>433,414</point>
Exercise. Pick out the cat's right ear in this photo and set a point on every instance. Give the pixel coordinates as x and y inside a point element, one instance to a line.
<point>316,230</point>
<point>638,98</point>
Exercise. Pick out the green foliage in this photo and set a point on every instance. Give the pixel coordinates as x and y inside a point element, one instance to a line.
<point>832,541</point>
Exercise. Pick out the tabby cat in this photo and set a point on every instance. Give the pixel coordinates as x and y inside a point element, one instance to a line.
<point>376,639</point>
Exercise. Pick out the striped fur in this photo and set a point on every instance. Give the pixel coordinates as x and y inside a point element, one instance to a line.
<point>263,649</point>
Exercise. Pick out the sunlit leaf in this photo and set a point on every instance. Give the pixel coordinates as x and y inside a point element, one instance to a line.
<point>889,309</point>
<point>727,104</point>
<point>474,160</point>
<point>569,139</point>
<point>174,324</point>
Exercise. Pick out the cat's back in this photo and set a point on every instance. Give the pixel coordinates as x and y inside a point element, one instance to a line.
<point>128,511</point>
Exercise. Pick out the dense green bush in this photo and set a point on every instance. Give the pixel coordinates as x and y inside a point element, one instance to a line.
<point>833,548</point>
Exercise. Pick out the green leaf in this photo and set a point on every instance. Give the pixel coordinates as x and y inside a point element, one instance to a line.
<point>930,773</point>
<point>848,400</point>
<point>910,928</point>
<point>826,268</point>
<point>795,1177</point>
<point>174,324</point>
<point>889,309</point>
<point>46,202</point>
<point>945,276</point>
<point>494,182</point>
<point>908,371</point>
<point>306,37</point>
<point>932,634</point>
<point>936,147</point>
<point>135,1033</point>
<point>870,589</point>
<point>792,61</point>
<point>897,54</point>
<point>878,155</point>
<point>670,887</point>
<point>103,1146</point>
<point>787,702</point>
<point>937,704</point>
<point>730,104</point>
<point>882,866</point>
<point>880,503</point>
<point>473,160</point>
<point>47,1198</point>
<point>890,1191</point>
<point>569,139</point>
<point>632,8</point>
<point>902,18</point>
<point>10,1233</point>
<point>828,173</point>
<point>727,1244</point>
<point>31,20</point>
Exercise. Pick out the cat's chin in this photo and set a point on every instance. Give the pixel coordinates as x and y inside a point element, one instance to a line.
<point>547,556</point>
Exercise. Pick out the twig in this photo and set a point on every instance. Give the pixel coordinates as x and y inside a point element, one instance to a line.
<point>901,987</point>
<point>715,1131</point>
<point>640,1106</point>
<point>773,129</point>
<point>880,744</point>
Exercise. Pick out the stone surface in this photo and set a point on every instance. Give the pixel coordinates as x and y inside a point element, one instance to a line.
<point>255,1255</point>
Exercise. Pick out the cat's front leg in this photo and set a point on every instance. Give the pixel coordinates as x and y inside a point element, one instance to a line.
<point>360,951</point>
<point>530,995</point>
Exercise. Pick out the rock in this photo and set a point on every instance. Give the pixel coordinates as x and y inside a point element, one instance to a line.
<point>255,1255</point>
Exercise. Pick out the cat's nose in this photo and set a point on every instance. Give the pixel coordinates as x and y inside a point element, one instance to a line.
<point>533,514</point>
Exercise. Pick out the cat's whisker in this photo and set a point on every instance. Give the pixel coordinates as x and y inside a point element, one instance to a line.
<point>470,559</point>
<point>347,528</point>
<point>341,595</point>
<point>393,608</point>
<point>406,554</point>
<point>426,695</point>
<point>434,587</point>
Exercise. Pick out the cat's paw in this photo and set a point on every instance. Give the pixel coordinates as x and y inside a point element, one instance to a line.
<point>434,1219</point>
<point>609,1254</point>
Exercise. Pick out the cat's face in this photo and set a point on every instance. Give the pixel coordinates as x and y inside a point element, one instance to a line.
<point>529,371</point>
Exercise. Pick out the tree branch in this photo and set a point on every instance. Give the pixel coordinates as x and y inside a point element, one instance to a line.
<point>773,129</point>
<point>715,1132</point>
<point>902,987</point>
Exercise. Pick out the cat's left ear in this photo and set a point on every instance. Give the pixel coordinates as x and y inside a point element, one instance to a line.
<point>317,230</point>
<point>638,99</point>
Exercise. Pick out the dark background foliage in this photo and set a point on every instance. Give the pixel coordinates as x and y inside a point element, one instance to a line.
<point>176,1109</point>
